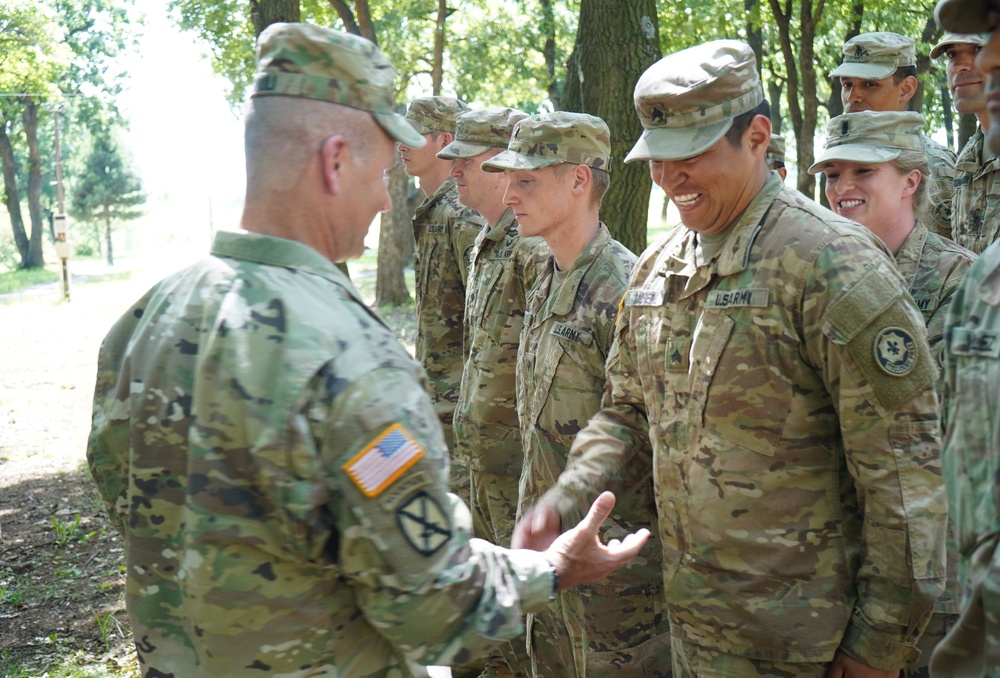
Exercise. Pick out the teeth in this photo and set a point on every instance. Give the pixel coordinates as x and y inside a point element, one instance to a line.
<point>848,204</point>
<point>685,200</point>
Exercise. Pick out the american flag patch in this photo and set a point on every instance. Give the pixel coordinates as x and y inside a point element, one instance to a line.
<point>384,459</point>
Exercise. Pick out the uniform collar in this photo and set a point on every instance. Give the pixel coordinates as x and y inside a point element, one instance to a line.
<point>565,296</point>
<point>908,257</point>
<point>435,197</point>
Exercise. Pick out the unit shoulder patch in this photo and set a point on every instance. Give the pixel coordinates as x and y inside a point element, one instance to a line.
<point>423,523</point>
<point>895,351</point>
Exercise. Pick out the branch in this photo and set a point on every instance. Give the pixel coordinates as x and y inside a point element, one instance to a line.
<point>346,16</point>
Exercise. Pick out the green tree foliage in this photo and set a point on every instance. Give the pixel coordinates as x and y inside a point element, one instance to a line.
<point>106,193</point>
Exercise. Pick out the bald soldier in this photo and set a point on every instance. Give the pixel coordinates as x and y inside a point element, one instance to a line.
<point>770,355</point>
<point>557,173</point>
<point>265,444</point>
<point>879,73</point>
<point>444,232</point>
<point>971,453</point>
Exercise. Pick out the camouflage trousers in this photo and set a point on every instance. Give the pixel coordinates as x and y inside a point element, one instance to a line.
<point>695,661</point>
<point>972,646</point>
<point>938,627</point>
<point>600,635</point>
<point>494,508</point>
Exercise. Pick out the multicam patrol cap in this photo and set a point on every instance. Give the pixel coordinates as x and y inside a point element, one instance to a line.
<point>874,56</point>
<point>435,114</point>
<point>775,150</point>
<point>687,101</point>
<point>550,138</point>
<point>481,129</point>
<point>964,16</point>
<point>870,137</point>
<point>312,62</point>
<point>949,39</point>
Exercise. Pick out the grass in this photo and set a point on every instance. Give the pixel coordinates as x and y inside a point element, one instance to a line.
<point>21,278</point>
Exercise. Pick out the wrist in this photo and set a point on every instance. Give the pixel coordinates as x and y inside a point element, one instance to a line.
<point>555,579</point>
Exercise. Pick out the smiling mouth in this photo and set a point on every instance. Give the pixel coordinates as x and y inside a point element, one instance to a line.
<point>686,200</point>
<point>849,204</point>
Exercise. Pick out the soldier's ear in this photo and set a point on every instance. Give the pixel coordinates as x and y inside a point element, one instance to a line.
<point>758,135</point>
<point>333,154</point>
<point>907,89</point>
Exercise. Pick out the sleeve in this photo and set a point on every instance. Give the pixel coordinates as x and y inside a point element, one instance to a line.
<point>870,346</point>
<point>404,541</point>
<point>464,228</point>
<point>613,437</point>
<point>108,446</point>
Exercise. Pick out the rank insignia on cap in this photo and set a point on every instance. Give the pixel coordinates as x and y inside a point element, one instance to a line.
<point>895,352</point>
<point>423,523</point>
<point>383,460</point>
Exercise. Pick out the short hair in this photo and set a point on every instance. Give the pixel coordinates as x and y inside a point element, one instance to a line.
<point>902,73</point>
<point>742,122</point>
<point>600,180</point>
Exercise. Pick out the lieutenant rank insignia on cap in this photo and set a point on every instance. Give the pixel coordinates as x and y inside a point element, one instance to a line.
<point>895,351</point>
<point>384,459</point>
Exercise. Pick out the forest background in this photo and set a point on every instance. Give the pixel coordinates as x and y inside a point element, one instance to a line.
<point>69,80</point>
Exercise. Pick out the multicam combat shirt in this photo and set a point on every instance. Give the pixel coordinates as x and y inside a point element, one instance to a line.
<point>267,449</point>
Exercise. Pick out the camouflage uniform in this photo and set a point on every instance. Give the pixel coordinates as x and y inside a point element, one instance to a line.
<point>762,379</point>
<point>970,458</point>
<point>236,404</point>
<point>504,267</point>
<point>976,206</point>
<point>444,232</point>
<point>619,625</point>
<point>877,56</point>
<point>560,381</point>
<point>267,449</point>
<point>941,161</point>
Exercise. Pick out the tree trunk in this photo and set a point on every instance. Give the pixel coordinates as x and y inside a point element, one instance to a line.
<point>803,105</point>
<point>390,283</point>
<point>36,258</point>
<point>12,194</point>
<point>548,31</point>
<point>967,126</point>
<point>437,68</point>
<point>755,33</point>
<point>263,13</point>
<point>615,42</point>
<point>107,236</point>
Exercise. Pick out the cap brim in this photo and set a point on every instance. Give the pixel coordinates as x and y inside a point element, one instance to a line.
<point>511,160</point>
<point>860,153</point>
<point>400,129</point>
<point>865,71</point>
<point>677,143</point>
<point>962,16</point>
<point>462,149</point>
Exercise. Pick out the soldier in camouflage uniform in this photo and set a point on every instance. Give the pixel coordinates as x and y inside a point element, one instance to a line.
<point>557,169</point>
<point>504,266</point>
<point>265,444</point>
<point>775,156</point>
<point>879,73</point>
<point>976,204</point>
<point>971,455</point>
<point>875,168</point>
<point>771,356</point>
<point>444,232</point>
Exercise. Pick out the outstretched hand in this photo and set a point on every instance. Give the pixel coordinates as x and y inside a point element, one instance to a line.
<point>538,528</point>
<point>578,555</point>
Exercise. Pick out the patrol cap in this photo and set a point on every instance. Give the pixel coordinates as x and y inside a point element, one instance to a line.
<point>435,114</point>
<point>870,137</point>
<point>775,150</point>
<point>312,62</point>
<point>874,56</point>
<point>551,138</point>
<point>955,39</point>
<point>481,129</point>
<point>687,101</point>
<point>964,16</point>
